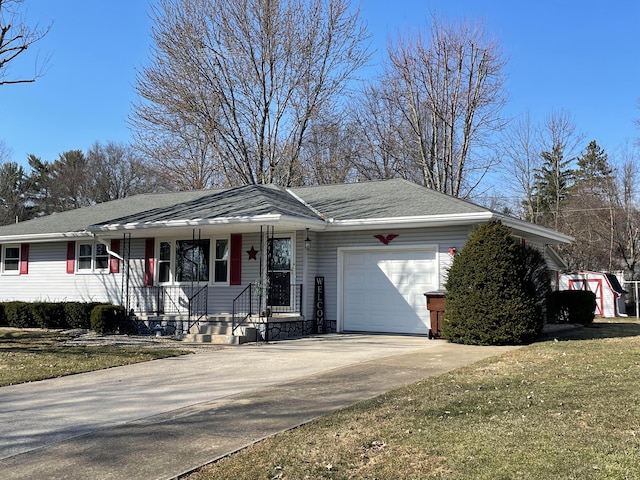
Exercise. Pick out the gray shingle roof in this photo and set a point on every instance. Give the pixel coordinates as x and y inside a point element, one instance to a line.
<point>246,201</point>
<point>78,220</point>
<point>380,199</point>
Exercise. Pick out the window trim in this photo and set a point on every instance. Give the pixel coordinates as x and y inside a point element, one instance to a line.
<point>4,258</point>
<point>214,260</point>
<point>94,250</point>
<point>173,242</point>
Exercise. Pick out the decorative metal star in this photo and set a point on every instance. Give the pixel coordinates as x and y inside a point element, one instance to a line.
<point>252,253</point>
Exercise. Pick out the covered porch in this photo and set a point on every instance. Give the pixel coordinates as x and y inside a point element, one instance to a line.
<point>237,259</point>
<point>185,310</point>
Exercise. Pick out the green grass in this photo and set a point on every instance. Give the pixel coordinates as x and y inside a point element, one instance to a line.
<point>30,355</point>
<point>567,409</point>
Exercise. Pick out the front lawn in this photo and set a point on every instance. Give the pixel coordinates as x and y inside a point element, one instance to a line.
<point>567,409</point>
<point>32,354</point>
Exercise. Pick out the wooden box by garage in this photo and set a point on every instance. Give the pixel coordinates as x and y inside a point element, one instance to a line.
<point>435,305</point>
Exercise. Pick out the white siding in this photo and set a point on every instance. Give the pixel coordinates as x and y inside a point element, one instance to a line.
<point>48,279</point>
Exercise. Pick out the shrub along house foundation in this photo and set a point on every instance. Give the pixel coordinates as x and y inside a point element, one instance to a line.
<point>239,263</point>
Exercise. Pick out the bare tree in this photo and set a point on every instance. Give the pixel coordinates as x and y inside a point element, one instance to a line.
<point>5,152</point>
<point>521,160</point>
<point>16,36</point>
<point>379,133</point>
<point>328,153</point>
<point>234,85</point>
<point>449,85</point>
<point>117,172</point>
<point>627,219</point>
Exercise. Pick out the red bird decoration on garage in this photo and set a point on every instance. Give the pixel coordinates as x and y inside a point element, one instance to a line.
<point>386,239</point>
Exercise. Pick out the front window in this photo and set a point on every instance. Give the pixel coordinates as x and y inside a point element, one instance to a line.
<point>11,259</point>
<point>192,260</point>
<point>92,257</point>
<point>164,262</point>
<point>222,261</point>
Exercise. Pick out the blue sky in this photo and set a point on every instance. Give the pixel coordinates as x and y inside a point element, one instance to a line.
<point>579,56</point>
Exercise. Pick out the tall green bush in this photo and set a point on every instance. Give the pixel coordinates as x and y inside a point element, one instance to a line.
<point>19,314</point>
<point>538,272</point>
<point>78,314</point>
<point>3,316</point>
<point>48,315</point>
<point>491,297</point>
<point>107,318</point>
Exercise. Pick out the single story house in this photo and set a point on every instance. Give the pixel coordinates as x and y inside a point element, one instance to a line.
<point>349,257</point>
<point>610,296</point>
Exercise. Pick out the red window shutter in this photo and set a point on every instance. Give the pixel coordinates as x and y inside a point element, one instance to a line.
<point>149,248</point>
<point>71,257</point>
<point>114,263</point>
<point>24,259</point>
<point>235,276</point>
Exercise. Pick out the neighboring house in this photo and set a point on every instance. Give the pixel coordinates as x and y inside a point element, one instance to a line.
<point>610,296</point>
<point>376,246</point>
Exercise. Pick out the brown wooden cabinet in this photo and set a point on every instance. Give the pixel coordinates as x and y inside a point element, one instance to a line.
<point>435,305</point>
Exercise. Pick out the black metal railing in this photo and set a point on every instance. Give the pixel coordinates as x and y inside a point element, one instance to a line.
<point>280,299</point>
<point>189,300</point>
<point>198,305</point>
<point>242,307</point>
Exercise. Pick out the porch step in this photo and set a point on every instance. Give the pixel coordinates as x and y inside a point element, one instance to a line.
<point>220,333</point>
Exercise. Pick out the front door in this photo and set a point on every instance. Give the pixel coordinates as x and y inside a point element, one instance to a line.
<point>279,272</point>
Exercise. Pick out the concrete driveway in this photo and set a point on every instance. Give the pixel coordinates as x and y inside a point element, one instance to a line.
<point>159,419</point>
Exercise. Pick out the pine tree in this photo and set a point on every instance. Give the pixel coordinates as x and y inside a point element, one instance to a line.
<point>552,183</point>
<point>594,171</point>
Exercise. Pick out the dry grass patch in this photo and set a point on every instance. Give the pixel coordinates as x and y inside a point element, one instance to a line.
<point>567,409</point>
<point>31,354</point>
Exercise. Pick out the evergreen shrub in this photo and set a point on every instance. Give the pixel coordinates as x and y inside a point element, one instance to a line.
<point>538,273</point>
<point>107,318</point>
<point>78,314</point>
<point>3,316</point>
<point>491,296</point>
<point>48,315</point>
<point>19,314</point>
<point>572,306</point>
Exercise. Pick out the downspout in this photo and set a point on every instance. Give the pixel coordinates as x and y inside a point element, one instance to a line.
<point>109,251</point>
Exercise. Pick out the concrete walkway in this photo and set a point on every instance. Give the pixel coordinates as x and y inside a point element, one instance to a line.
<point>156,420</point>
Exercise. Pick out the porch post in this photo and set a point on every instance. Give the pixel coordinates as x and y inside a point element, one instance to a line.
<point>263,271</point>
<point>305,279</point>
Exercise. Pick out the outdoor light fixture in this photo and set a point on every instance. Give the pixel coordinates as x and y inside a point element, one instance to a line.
<point>452,250</point>
<point>307,242</point>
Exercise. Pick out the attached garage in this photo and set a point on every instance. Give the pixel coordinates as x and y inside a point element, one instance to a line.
<point>383,289</point>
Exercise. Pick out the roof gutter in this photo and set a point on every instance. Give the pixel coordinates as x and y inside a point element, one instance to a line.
<point>42,237</point>
<point>198,222</point>
<point>447,221</point>
<point>407,222</point>
<point>535,229</point>
<point>267,219</point>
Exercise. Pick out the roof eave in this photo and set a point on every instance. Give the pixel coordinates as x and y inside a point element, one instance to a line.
<point>532,228</point>
<point>43,237</point>
<point>409,222</point>
<point>267,219</point>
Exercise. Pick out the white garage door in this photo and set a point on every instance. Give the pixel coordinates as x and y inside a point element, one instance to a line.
<point>383,290</point>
